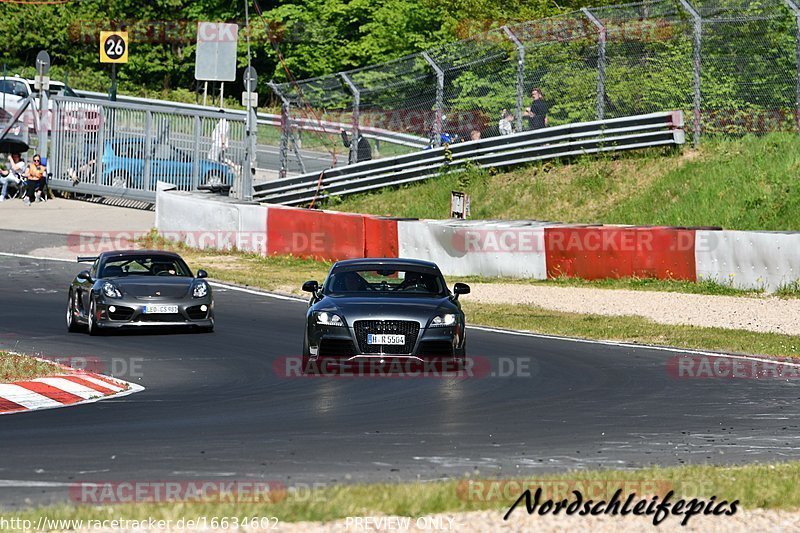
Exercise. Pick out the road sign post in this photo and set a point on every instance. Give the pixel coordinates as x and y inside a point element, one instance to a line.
<point>250,79</point>
<point>42,69</point>
<point>113,49</point>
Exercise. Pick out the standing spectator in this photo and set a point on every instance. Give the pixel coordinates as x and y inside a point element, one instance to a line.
<point>537,112</point>
<point>16,166</point>
<point>360,145</point>
<point>35,173</point>
<point>219,139</point>
<point>505,125</point>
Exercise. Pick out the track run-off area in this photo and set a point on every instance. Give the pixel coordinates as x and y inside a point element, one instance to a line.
<point>223,406</point>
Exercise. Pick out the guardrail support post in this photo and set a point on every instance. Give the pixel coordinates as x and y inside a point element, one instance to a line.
<point>601,62</point>
<point>437,125</point>
<point>520,74</point>
<point>356,104</point>
<point>283,145</point>
<point>792,5</point>
<point>697,34</point>
<point>196,163</point>
<point>148,148</point>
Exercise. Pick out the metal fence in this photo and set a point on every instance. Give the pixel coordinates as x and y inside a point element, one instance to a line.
<point>123,149</point>
<point>732,66</point>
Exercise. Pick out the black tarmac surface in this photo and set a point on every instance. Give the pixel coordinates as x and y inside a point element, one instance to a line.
<point>219,406</point>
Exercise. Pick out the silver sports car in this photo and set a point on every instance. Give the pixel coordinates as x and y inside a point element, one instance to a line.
<point>139,288</point>
<point>380,311</point>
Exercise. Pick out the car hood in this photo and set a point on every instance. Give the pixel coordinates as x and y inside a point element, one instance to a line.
<point>148,286</point>
<point>390,308</point>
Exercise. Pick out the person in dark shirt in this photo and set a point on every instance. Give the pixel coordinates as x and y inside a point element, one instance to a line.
<point>537,112</point>
<point>362,147</point>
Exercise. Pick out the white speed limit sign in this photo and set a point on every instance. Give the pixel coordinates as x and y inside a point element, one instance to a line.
<point>113,47</point>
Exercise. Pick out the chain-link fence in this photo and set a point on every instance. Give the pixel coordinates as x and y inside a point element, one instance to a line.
<point>732,66</point>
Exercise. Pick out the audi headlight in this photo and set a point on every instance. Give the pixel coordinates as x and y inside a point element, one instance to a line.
<point>329,319</point>
<point>444,320</point>
<point>111,290</point>
<point>200,289</point>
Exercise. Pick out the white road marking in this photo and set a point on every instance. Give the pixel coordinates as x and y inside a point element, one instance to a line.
<point>20,483</point>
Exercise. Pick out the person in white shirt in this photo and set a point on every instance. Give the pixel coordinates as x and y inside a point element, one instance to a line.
<point>505,124</point>
<point>12,174</point>
<point>219,140</point>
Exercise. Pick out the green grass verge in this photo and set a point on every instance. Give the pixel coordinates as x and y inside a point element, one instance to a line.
<point>748,184</point>
<point>15,367</point>
<point>630,329</point>
<point>772,486</point>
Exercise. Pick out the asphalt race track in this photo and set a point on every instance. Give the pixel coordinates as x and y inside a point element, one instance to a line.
<point>214,407</point>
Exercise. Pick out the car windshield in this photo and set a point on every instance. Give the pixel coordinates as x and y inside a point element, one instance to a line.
<point>386,281</point>
<point>17,88</point>
<point>144,265</point>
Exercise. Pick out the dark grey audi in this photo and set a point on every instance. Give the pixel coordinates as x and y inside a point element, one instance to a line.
<point>383,310</point>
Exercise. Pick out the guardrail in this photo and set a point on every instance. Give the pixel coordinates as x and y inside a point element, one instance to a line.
<point>273,120</point>
<point>626,133</point>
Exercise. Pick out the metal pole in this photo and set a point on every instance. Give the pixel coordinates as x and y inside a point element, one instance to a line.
<point>698,32</point>
<point>437,125</point>
<point>796,10</point>
<point>520,74</point>
<point>354,142</point>
<point>246,192</point>
<point>148,148</point>
<point>283,150</point>
<point>43,119</point>
<point>601,63</point>
<point>196,163</point>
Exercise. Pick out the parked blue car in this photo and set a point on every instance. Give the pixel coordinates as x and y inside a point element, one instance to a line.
<point>124,162</point>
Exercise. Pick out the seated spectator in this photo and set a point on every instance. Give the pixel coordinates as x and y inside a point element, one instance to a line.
<point>36,175</point>
<point>506,121</point>
<point>12,174</point>
<point>474,135</point>
<point>362,147</point>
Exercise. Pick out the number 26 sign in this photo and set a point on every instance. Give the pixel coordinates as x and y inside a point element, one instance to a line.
<point>113,47</point>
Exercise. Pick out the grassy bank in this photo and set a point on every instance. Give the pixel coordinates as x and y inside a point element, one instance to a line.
<point>748,183</point>
<point>15,367</point>
<point>756,486</point>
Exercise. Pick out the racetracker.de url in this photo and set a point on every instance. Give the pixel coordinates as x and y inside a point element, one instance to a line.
<point>45,523</point>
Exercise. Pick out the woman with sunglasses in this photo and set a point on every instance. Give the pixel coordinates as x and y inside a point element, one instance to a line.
<point>35,174</point>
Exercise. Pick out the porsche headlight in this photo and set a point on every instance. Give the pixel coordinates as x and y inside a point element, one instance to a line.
<point>329,319</point>
<point>200,289</point>
<point>110,290</point>
<point>444,320</point>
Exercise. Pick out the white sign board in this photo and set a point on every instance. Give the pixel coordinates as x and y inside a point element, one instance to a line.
<point>215,59</point>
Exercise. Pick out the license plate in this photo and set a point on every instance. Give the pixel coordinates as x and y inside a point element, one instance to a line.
<point>383,338</point>
<point>160,309</point>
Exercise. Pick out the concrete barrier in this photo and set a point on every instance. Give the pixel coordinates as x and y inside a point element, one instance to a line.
<point>516,249</point>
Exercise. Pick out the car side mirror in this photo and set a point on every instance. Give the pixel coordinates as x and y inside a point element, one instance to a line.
<point>311,286</point>
<point>202,274</point>
<point>460,288</point>
<point>84,275</point>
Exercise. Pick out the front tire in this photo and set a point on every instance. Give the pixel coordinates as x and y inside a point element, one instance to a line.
<point>120,180</point>
<point>72,324</point>
<point>308,367</point>
<point>93,328</point>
